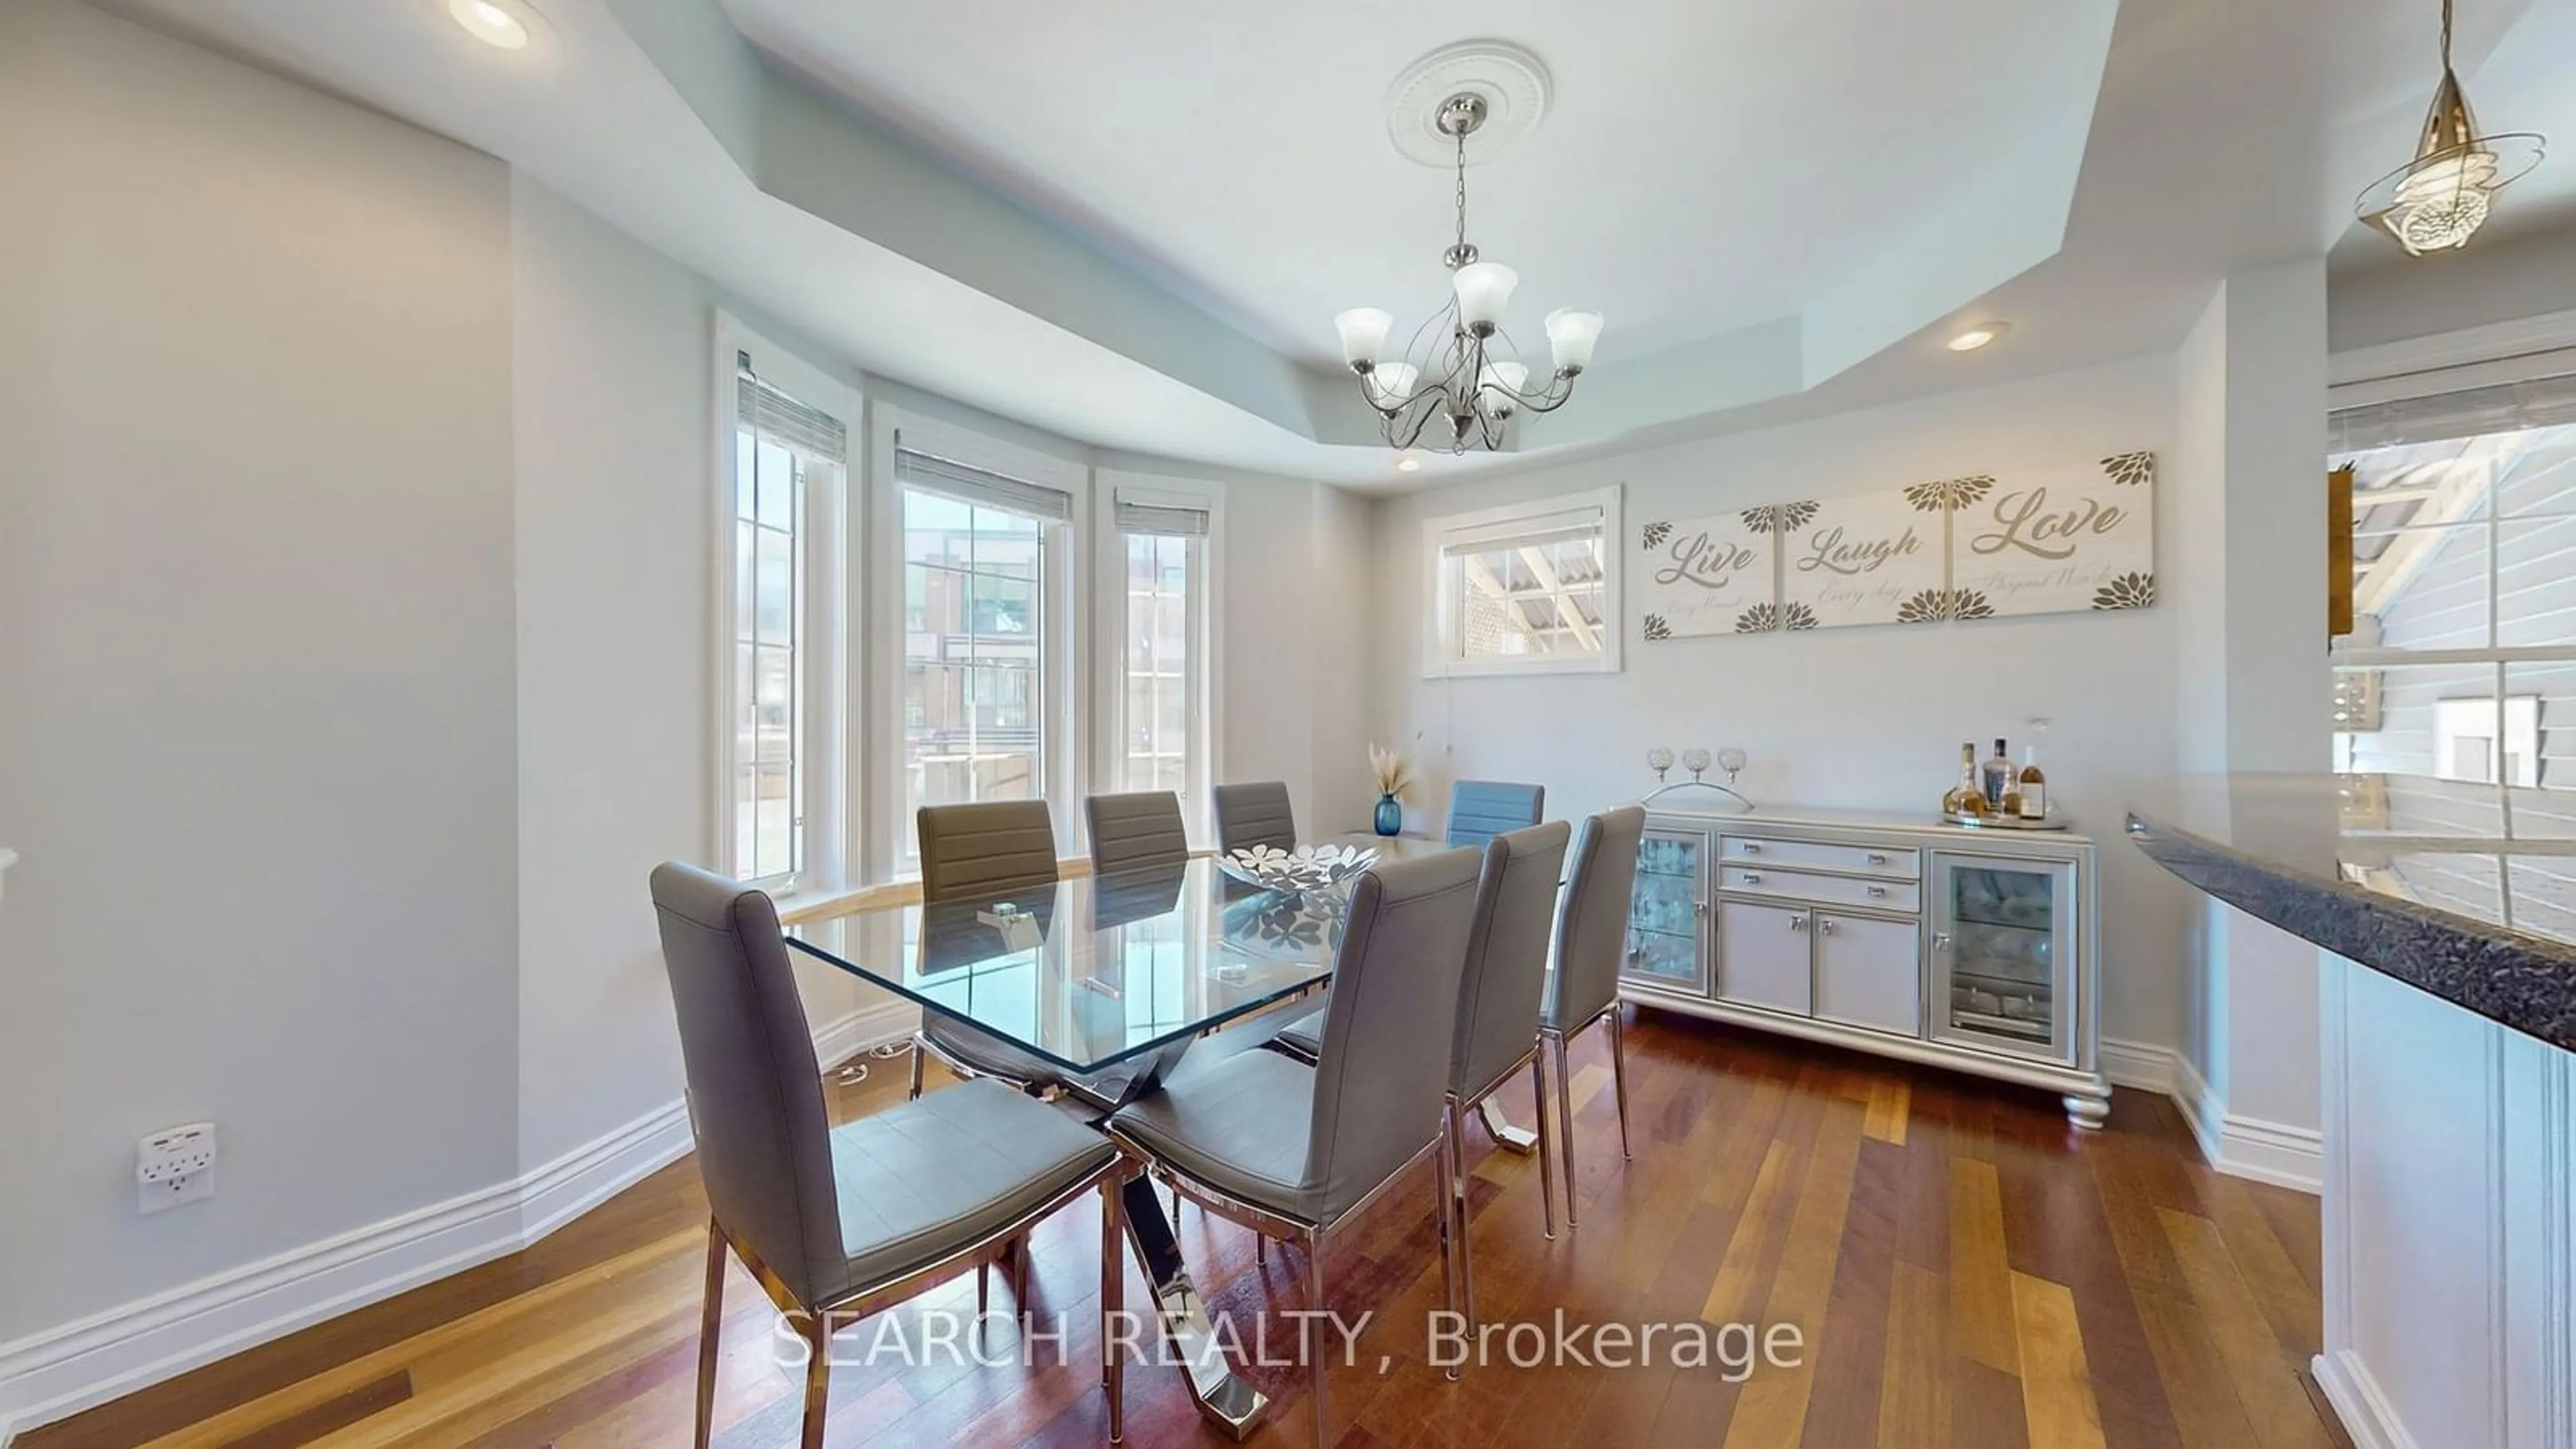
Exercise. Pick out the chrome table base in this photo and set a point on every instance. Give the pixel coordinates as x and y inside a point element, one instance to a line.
<point>1506,1136</point>
<point>1226,1401</point>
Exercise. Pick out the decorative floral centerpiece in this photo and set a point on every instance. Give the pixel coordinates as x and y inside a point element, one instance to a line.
<point>1393,775</point>
<point>1295,872</point>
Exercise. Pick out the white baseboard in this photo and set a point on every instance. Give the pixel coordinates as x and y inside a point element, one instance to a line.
<point>61,1371</point>
<point>2358,1402</point>
<point>2141,1065</point>
<point>2247,1147</point>
<point>866,1028</point>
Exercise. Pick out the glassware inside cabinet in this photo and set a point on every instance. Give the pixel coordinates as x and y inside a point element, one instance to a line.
<point>2000,932</point>
<point>1665,936</point>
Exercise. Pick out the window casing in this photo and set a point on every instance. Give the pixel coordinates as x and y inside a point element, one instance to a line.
<point>984,611</point>
<point>1527,589</point>
<point>1157,671</point>
<point>782,470</point>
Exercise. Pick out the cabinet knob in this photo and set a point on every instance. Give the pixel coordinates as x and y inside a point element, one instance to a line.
<point>1751,877</point>
<point>1753,847</point>
<point>1797,923</point>
<point>1877,857</point>
<point>1940,940</point>
<point>1699,908</point>
<point>1877,891</point>
<point>1825,925</point>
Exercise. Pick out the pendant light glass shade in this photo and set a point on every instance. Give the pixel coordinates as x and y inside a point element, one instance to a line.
<point>1484,290</point>
<point>2437,201</point>
<point>1363,332</point>
<point>1571,336</point>
<point>1394,381</point>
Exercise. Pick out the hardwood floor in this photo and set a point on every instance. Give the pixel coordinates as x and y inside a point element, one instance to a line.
<point>1967,1272</point>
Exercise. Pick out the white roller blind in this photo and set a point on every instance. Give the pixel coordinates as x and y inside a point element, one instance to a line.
<point>2504,408</point>
<point>774,415</point>
<point>974,485</point>
<point>1164,520</point>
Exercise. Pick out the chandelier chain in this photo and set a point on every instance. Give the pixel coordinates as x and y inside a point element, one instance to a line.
<point>1462,186</point>
<point>2446,35</point>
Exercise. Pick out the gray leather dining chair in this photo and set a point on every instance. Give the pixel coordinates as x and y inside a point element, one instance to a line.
<point>1499,1001</point>
<point>1139,831</point>
<point>1591,936</point>
<point>1292,1151</point>
<point>1479,810</point>
<point>1253,814</point>
<point>989,848</point>
<point>837,1223</point>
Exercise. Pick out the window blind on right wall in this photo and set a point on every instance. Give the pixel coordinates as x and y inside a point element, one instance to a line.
<point>2504,408</point>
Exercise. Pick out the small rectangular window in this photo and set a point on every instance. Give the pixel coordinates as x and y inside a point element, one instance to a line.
<point>1532,589</point>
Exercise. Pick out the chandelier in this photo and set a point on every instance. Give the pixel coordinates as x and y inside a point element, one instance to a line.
<point>2437,201</point>
<point>1461,367</point>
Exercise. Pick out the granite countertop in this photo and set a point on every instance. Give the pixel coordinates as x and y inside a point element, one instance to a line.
<point>2464,891</point>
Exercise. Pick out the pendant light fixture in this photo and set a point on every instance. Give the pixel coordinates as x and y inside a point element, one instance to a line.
<point>2437,201</point>
<point>1459,383</point>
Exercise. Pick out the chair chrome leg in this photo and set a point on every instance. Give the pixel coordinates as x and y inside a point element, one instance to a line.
<point>1546,1162</point>
<point>711,1334</point>
<point>916,1054</point>
<point>1565,1124</point>
<point>1454,1205</point>
<point>1619,1074</point>
<point>1113,1303</point>
<point>818,1377</point>
<point>1020,1279</point>
<point>1315,1333</point>
<point>983,1297</point>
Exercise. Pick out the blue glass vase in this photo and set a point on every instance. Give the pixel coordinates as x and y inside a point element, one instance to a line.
<point>1390,816</point>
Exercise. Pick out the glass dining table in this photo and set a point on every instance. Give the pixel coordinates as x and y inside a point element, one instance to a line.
<point>1113,979</point>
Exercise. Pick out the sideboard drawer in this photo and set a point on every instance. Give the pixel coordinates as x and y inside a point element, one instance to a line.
<point>1898,861</point>
<point>1902,896</point>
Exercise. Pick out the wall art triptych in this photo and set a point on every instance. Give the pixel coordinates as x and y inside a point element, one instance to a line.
<point>1990,546</point>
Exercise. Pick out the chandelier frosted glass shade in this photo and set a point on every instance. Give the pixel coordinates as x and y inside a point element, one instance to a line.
<point>1363,332</point>
<point>1571,335</point>
<point>2439,200</point>
<point>1484,290</point>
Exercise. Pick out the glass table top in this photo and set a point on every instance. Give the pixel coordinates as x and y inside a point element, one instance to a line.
<point>1094,970</point>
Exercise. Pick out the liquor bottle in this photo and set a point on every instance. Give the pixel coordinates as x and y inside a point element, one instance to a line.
<point>2034,785</point>
<point>1998,773</point>
<point>1968,796</point>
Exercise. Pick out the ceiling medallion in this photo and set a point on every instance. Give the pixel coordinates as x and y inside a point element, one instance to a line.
<point>2437,201</point>
<point>1461,367</point>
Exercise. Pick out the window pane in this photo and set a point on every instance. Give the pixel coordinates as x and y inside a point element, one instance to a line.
<point>1159,738</point>
<point>773,585</point>
<point>2536,471</point>
<point>2536,581</point>
<point>777,491</point>
<point>974,627</point>
<point>1522,600</point>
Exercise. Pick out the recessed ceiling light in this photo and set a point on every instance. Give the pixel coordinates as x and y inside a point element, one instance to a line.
<point>491,22</point>
<point>1978,336</point>
<point>1407,463</point>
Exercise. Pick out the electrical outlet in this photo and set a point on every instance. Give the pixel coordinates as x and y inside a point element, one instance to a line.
<point>175,1166</point>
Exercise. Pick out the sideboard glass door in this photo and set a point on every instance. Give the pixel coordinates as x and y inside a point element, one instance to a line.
<point>2003,950</point>
<point>1667,924</point>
